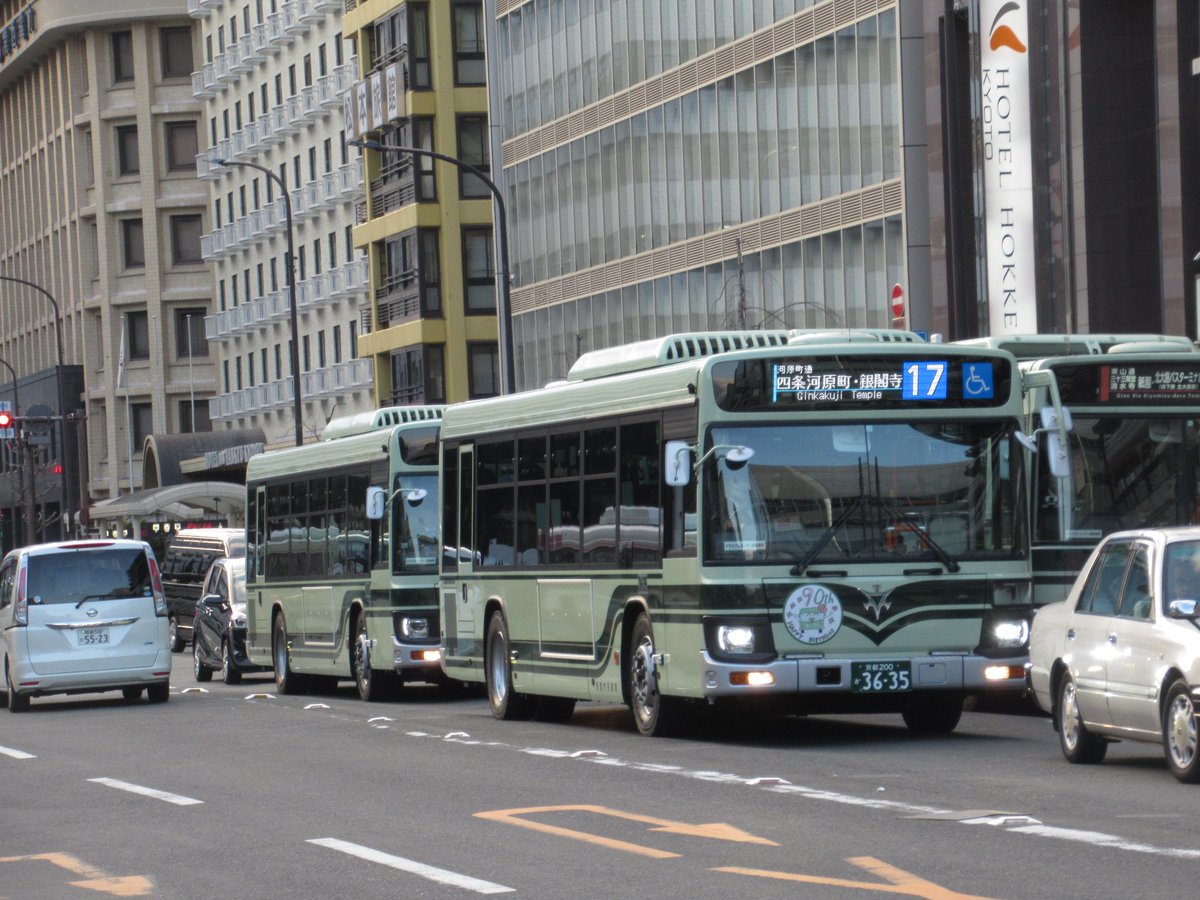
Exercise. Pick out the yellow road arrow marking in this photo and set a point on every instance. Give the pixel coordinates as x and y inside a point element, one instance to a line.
<point>95,879</point>
<point>902,882</point>
<point>716,830</point>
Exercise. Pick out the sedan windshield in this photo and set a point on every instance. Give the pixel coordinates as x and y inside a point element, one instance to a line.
<point>936,491</point>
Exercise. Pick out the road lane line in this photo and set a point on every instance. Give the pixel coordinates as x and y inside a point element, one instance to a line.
<point>177,799</point>
<point>432,873</point>
<point>16,754</point>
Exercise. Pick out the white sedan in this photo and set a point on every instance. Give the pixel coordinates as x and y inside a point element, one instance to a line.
<point>1119,659</point>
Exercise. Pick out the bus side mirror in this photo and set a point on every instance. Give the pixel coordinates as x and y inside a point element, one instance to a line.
<point>677,463</point>
<point>1056,432</point>
<point>376,502</point>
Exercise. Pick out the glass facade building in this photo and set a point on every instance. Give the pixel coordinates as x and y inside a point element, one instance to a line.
<point>697,165</point>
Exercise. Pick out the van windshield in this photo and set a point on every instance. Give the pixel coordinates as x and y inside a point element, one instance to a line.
<point>69,576</point>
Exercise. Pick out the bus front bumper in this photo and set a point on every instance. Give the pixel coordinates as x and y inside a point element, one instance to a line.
<point>407,656</point>
<point>960,673</point>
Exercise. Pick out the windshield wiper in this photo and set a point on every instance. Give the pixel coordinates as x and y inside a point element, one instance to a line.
<point>923,536</point>
<point>111,595</point>
<point>827,535</point>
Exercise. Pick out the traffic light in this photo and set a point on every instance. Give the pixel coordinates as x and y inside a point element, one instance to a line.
<point>8,422</point>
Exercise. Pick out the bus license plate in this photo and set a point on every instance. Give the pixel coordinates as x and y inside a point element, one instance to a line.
<point>880,677</point>
<point>89,636</point>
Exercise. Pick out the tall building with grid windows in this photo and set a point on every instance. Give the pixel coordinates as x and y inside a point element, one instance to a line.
<point>100,207</point>
<point>272,79</point>
<point>427,225</point>
<point>702,164</point>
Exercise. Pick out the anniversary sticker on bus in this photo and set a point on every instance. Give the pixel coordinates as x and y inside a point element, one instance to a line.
<point>1129,382</point>
<point>860,382</point>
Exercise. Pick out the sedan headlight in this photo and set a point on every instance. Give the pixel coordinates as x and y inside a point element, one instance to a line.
<point>237,615</point>
<point>735,638</point>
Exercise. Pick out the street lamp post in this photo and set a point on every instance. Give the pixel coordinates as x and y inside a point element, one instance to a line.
<point>291,283</point>
<point>504,312</point>
<point>63,516</point>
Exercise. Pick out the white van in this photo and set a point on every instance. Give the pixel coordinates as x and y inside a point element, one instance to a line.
<point>81,617</point>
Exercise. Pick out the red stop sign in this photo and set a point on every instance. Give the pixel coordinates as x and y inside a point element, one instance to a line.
<point>897,301</point>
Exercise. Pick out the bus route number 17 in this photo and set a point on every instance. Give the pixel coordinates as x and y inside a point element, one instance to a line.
<point>925,380</point>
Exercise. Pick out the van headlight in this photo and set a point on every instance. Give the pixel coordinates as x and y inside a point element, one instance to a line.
<point>1011,635</point>
<point>237,615</point>
<point>735,638</point>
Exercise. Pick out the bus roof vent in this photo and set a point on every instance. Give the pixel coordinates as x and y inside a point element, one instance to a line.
<point>1171,345</point>
<point>853,336</point>
<point>665,351</point>
<point>373,420</point>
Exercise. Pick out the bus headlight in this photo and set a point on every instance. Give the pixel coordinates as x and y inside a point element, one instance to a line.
<point>417,629</point>
<point>735,638</point>
<point>1011,634</point>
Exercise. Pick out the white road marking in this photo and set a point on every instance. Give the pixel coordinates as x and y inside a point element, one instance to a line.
<point>166,796</point>
<point>431,873</point>
<point>16,754</point>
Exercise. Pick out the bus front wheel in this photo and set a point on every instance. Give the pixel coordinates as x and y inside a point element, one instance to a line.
<point>654,714</point>
<point>371,683</point>
<point>287,681</point>
<point>506,703</point>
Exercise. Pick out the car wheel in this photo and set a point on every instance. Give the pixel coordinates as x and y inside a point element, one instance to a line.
<point>131,693</point>
<point>159,692</point>
<point>173,637</point>
<point>202,671</point>
<point>16,702</point>
<point>936,716</point>
<point>506,703</point>
<point>654,714</point>
<point>230,673</point>
<point>1078,744</point>
<point>287,681</point>
<point>1179,733</point>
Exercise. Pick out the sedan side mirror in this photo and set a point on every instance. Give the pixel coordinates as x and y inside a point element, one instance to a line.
<point>211,600</point>
<point>1182,609</point>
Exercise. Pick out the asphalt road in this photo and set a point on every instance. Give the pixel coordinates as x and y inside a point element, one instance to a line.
<point>232,791</point>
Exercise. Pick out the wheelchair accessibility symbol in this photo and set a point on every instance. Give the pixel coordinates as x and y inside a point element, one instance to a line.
<point>977,381</point>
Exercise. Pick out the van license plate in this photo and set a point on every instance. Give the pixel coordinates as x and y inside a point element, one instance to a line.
<point>89,636</point>
<point>880,677</point>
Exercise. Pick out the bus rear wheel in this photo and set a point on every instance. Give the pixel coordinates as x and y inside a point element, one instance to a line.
<point>654,714</point>
<point>506,703</point>
<point>287,681</point>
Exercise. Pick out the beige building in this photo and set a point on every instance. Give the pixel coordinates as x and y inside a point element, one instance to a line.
<point>100,207</point>
<point>272,78</point>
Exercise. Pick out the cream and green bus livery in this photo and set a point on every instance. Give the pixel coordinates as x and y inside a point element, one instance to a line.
<point>342,554</point>
<point>826,521</point>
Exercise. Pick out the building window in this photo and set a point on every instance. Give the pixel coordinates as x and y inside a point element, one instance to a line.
<point>479,272</point>
<point>185,240</point>
<point>418,46</point>
<point>430,271</point>
<point>176,46</point>
<point>142,424</point>
<point>321,361</point>
<point>122,52</point>
<point>194,416</point>
<point>137,334</point>
<point>181,146</point>
<point>473,149</point>
<point>133,243</point>
<point>128,162</point>
<point>468,42</point>
<point>337,344</point>
<point>190,340</point>
<point>418,375</point>
<point>483,369</point>
<point>306,353</point>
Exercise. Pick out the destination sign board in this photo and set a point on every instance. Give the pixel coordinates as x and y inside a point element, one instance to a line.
<point>1160,383</point>
<point>861,382</point>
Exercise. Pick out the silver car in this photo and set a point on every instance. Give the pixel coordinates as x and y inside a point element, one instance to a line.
<point>1120,657</point>
<point>82,617</point>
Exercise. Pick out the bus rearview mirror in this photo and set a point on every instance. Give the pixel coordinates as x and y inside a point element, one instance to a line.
<point>677,463</point>
<point>376,502</point>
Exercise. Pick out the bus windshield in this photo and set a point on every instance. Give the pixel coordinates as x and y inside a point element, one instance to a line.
<point>415,524</point>
<point>833,493</point>
<point>1126,472</point>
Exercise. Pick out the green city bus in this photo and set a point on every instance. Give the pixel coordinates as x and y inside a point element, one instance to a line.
<point>342,554</point>
<point>823,521</point>
<point>1129,436</point>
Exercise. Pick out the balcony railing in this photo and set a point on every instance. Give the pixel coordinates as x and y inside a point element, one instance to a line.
<point>221,67</point>
<point>198,9</point>
<point>254,45</point>
<point>201,90</point>
<point>237,65</point>
<point>276,34</point>
<point>291,18</point>
<point>388,194</point>
<point>309,13</point>
<point>399,299</point>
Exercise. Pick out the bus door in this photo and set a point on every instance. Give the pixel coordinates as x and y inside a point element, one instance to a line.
<point>458,554</point>
<point>566,624</point>
<point>258,617</point>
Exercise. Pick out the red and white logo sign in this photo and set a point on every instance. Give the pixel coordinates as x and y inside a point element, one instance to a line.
<point>897,301</point>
